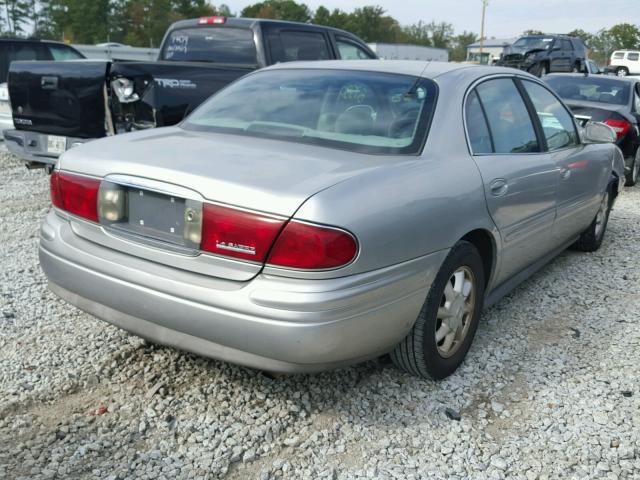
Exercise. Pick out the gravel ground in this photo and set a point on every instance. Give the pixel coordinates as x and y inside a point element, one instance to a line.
<point>549,389</point>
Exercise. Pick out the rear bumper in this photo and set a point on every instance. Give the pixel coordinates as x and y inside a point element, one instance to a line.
<point>32,146</point>
<point>272,323</point>
<point>6,123</point>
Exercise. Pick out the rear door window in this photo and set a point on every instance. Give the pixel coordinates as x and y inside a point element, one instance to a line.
<point>62,53</point>
<point>509,121</point>
<point>633,56</point>
<point>29,51</point>
<point>211,44</point>
<point>567,45</point>
<point>291,45</point>
<point>477,128</point>
<point>348,50</point>
<point>557,123</point>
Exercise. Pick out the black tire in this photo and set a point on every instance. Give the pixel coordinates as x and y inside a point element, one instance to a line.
<point>622,71</point>
<point>418,353</point>
<point>632,176</point>
<point>540,70</point>
<point>591,239</point>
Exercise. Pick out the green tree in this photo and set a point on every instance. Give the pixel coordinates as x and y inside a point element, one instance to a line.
<point>17,13</point>
<point>458,49</point>
<point>418,34</point>
<point>624,36</point>
<point>336,18</point>
<point>278,9</point>
<point>532,32</point>
<point>224,10</point>
<point>372,25</point>
<point>581,34</point>
<point>441,34</point>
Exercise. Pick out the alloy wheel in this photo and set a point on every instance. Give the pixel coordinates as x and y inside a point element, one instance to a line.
<point>456,310</point>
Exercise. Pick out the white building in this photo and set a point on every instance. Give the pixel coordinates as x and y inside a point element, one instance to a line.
<point>491,50</point>
<point>405,51</point>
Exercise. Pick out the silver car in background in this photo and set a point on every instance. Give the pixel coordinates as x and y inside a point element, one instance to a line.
<point>313,215</point>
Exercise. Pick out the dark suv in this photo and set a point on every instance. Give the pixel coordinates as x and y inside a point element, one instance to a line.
<point>542,54</point>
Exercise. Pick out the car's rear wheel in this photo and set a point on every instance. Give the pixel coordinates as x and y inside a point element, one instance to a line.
<point>446,325</point>
<point>622,71</point>
<point>632,176</point>
<point>591,239</point>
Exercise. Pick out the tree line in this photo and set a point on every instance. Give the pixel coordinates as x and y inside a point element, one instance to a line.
<point>143,23</point>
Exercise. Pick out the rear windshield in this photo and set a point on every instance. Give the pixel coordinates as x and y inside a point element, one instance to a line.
<point>591,89</point>
<point>210,44</point>
<point>368,112</point>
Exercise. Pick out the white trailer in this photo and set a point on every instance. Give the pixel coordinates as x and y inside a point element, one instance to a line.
<point>405,51</point>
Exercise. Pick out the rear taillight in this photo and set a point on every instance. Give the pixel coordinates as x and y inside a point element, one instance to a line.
<point>621,127</point>
<point>75,194</point>
<point>306,246</point>
<point>238,233</point>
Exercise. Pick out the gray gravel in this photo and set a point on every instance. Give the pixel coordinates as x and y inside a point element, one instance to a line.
<point>549,389</point>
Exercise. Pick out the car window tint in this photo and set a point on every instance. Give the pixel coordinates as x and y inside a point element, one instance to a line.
<point>566,45</point>
<point>557,124</point>
<point>289,46</point>
<point>62,53</point>
<point>214,44</point>
<point>618,55</point>
<point>368,112</point>
<point>633,56</point>
<point>29,51</point>
<point>600,89</point>
<point>479,136</point>
<point>509,120</point>
<point>350,51</point>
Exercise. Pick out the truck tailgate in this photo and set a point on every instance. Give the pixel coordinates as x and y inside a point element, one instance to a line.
<point>59,98</point>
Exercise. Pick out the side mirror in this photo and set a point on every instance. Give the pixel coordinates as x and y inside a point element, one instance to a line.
<point>596,132</point>
<point>555,49</point>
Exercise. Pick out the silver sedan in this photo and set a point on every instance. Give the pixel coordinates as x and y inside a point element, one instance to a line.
<point>313,215</point>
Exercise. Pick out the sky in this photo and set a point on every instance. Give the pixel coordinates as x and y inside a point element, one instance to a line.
<point>505,18</point>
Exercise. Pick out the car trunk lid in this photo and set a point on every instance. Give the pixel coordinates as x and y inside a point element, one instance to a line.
<point>166,170</point>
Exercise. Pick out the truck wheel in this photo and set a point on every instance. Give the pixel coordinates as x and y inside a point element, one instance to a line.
<point>541,69</point>
<point>622,71</point>
<point>591,239</point>
<point>444,330</point>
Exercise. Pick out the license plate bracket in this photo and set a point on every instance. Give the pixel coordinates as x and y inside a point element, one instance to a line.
<point>156,215</point>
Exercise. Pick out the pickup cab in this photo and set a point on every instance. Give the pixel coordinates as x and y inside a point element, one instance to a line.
<point>59,105</point>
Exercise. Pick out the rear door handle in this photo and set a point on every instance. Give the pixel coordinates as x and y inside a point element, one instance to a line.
<point>499,187</point>
<point>49,83</point>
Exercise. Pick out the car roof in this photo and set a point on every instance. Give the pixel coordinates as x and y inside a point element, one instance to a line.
<point>425,69</point>
<point>244,22</point>
<point>31,40</point>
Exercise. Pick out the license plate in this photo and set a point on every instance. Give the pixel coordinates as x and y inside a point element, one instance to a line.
<point>156,216</point>
<point>56,144</point>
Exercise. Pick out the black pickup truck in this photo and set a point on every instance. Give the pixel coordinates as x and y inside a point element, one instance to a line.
<point>58,105</point>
